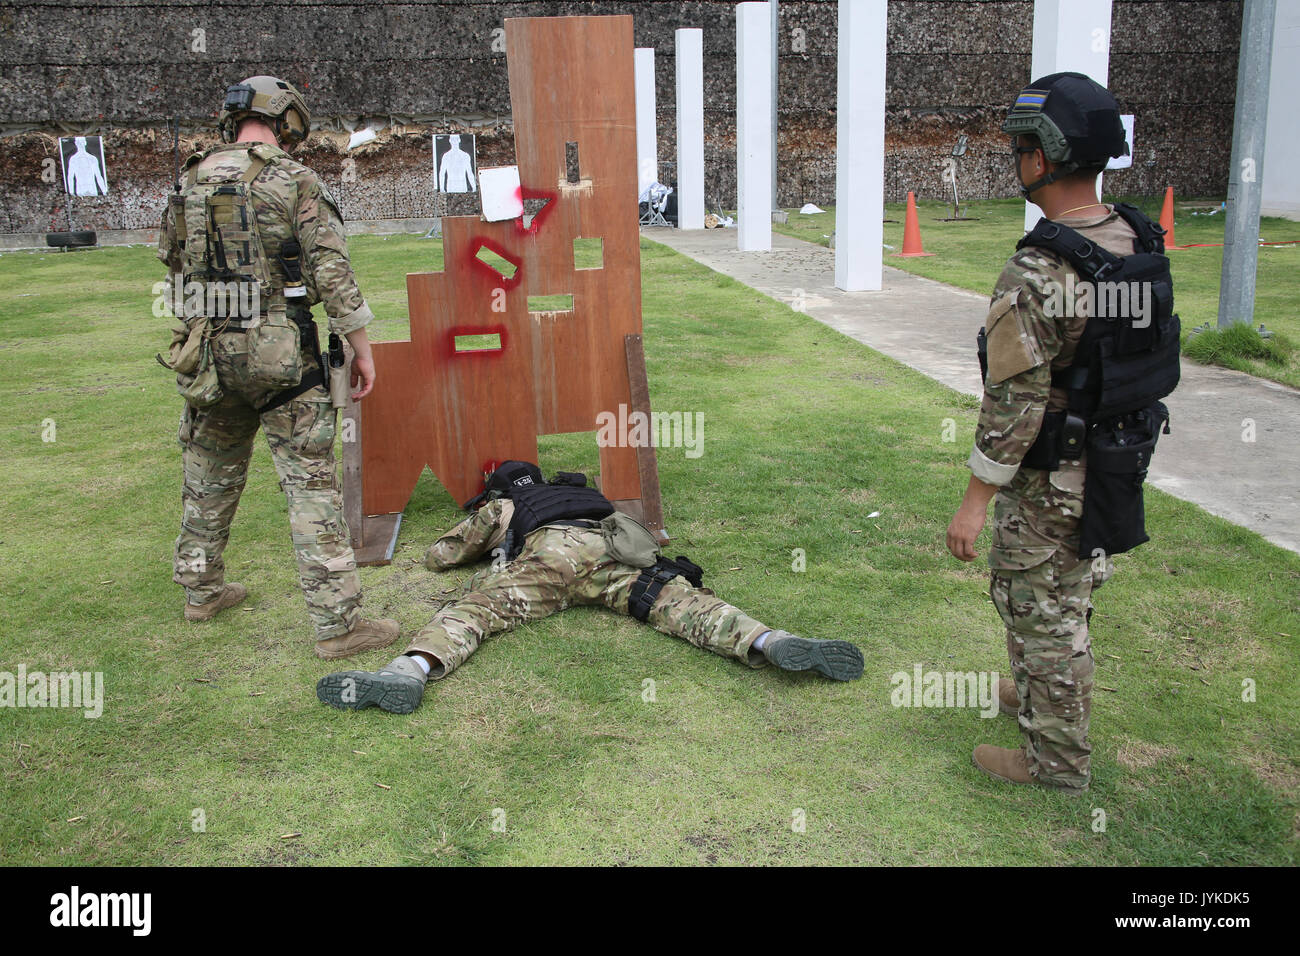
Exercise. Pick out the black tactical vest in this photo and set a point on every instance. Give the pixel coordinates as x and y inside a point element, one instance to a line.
<point>1126,361</point>
<point>538,505</point>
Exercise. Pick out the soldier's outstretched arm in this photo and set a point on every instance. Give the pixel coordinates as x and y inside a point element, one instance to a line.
<point>474,537</point>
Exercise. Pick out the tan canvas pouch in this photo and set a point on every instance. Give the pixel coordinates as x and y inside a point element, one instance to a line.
<point>275,349</point>
<point>628,541</point>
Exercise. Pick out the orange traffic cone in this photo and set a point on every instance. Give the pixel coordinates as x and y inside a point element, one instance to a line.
<point>912,231</point>
<point>1167,218</point>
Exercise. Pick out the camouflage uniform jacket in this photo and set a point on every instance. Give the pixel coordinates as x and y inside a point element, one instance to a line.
<point>1033,327</point>
<point>290,202</point>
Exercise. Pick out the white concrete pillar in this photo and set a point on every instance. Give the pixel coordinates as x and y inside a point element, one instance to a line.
<point>1070,36</point>
<point>860,146</point>
<point>754,126</point>
<point>647,136</point>
<point>689,49</point>
<point>1280,187</point>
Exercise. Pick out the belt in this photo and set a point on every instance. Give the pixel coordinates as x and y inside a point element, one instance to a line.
<point>574,523</point>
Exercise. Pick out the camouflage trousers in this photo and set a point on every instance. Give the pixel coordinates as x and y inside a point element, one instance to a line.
<point>1042,591</point>
<point>218,442</point>
<point>558,568</point>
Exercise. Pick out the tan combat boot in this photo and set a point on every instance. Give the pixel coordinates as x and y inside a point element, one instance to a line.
<point>1003,763</point>
<point>1008,697</point>
<point>365,636</point>
<point>232,594</point>
<point>1011,764</point>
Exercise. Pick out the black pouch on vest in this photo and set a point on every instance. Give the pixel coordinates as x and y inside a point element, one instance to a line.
<point>574,479</point>
<point>1119,452</point>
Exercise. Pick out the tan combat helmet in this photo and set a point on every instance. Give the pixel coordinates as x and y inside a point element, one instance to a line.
<point>269,97</point>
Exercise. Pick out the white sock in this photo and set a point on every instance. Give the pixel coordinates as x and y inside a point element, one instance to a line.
<point>420,659</point>
<point>760,641</point>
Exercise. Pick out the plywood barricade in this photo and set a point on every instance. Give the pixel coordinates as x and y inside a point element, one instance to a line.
<point>443,400</point>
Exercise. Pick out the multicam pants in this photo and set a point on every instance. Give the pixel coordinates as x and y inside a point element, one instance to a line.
<point>557,568</point>
<point>1042,590</point>
<point>218,441</point>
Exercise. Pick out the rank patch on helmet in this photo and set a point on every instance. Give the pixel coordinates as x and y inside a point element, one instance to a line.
<point>1031,100</point>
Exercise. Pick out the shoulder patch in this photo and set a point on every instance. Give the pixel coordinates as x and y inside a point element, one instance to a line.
<point>1011,349</point>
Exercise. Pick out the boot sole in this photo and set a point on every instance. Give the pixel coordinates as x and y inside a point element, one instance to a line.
<point>838,660</point>
<point>372,644</point>
<point>394,694</point>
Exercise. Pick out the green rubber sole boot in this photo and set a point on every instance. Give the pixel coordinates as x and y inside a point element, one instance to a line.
<point>838,660</point>
<point>391,689</point>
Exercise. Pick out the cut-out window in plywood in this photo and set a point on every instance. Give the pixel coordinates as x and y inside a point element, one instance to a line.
<point>572,182</point>
<point>550,303</point>
<point>588,253</point>
<point>532,207</point>
<point>499,264</point>
<point>477,342</point>
<point>572,172</point>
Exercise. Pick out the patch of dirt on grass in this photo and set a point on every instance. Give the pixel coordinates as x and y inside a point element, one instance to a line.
<point>1140,755</point>
<point>869,379</point>
<point>709,845</point>
<point>739,361</point>
<point>1207,630</point>
<point>1273,770</point>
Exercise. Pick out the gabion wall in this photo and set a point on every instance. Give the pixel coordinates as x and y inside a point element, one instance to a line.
<point>422,66</point>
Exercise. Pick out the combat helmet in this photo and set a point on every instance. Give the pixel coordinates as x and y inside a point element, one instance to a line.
<point>269,97</point>
<point>1075,119</point>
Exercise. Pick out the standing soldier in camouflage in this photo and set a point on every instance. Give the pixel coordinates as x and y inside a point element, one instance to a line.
<point>561,563</point>
<point>246,212</point>
<point>1065,127</point>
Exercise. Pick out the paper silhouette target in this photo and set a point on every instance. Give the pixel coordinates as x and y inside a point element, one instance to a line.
<point>84,171</point>
<point>454,162</point>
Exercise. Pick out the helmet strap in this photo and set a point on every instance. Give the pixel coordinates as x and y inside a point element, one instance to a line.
<point>1063,170</point>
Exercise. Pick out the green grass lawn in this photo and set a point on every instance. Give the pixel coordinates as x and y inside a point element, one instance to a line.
<point>807,434</point>
<point>971,254</point>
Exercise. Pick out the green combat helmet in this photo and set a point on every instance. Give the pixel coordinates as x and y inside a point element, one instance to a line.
<point>1076,121</point>
<point>277,101</point>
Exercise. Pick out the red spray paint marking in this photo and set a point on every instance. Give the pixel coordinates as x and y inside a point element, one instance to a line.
<point>496,277</point>
<point>542,214</point>
<point>489,466</point>
<point>451,352</point>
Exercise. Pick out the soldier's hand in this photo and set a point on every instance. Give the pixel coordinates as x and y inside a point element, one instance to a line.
<point>964,528</point>
<point>363,376</point>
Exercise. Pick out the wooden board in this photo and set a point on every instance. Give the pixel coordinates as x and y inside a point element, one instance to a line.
<point>647,461</point>
<point>571,82</point>
<point>380,540</point>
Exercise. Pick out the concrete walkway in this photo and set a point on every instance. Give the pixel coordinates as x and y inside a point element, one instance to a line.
<point>931,327</point>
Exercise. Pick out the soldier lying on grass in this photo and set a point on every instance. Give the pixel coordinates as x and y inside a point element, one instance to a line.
<point>556,545</point>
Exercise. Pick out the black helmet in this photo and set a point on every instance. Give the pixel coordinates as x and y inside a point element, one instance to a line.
<point>1075,119</point>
